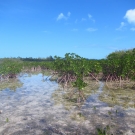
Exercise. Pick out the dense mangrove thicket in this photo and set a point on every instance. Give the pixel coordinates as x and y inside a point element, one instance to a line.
<point>120,64</point>
<point>118,69</point>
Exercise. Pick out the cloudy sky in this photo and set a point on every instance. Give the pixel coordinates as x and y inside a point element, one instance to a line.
<point>89,28</point>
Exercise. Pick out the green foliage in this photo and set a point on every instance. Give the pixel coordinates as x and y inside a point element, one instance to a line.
<point>79,83</point>
<point>76,66</point>
<point>101,132</point>
<point>10,66</point>
<point>120,64</point>
<point>7,120</point>
<point>14,65</point>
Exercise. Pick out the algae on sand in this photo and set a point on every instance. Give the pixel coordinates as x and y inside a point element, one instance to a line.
<point>12,84</point>
<point>68,96</point>
<point>121,97</point>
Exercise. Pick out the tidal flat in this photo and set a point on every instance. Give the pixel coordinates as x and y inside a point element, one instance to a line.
<point>38,106</point>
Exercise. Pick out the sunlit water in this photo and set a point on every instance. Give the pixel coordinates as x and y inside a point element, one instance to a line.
<point>31,110</point>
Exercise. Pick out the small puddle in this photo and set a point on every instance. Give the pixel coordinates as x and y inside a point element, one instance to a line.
<point>93,101</point>
<point>31,109</point>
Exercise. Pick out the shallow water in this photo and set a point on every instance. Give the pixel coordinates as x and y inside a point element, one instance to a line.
<point>31,110</point>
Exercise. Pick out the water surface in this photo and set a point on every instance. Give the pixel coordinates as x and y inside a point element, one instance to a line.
<point>31,109</point>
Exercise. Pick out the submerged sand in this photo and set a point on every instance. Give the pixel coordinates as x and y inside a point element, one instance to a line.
<point>31,110</point>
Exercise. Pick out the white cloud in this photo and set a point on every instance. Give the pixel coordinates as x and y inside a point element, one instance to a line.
<point>91,18</point>
<point>122,24</point>
<point>91,29</point>
<point>62,16</point>
<point>133,29</point>
<point>113,48</point>
<point>89,15</point>
<point>130,16</point>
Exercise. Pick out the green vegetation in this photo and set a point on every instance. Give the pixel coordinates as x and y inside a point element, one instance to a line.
<point>7,120</point>
<point>63,97</point>
<point>121,97</point>
<point>12,84</point>
<point>101,132</point>
<point>73,69</point>
<point>10,66</point>
<point>118,69</point>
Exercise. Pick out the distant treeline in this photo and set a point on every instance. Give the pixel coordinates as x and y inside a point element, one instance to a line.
<point>117,65</point>
<point>50,58</point>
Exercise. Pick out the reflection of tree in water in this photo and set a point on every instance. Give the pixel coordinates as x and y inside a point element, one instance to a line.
<point>12,84</point>
<point>124,98</point>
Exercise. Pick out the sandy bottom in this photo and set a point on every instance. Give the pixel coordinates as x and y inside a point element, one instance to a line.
<point>30,110</point>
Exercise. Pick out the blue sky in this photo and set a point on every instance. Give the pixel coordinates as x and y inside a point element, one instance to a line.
<point>89,28</point>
